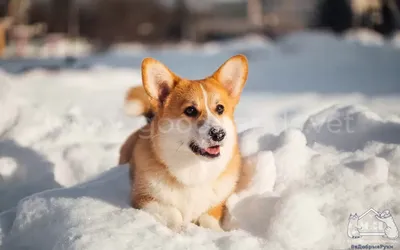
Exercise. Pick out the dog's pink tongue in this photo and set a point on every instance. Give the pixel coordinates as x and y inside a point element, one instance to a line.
<point>213,150</point>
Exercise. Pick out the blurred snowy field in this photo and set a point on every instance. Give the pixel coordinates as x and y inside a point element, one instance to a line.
<point>320,117</point>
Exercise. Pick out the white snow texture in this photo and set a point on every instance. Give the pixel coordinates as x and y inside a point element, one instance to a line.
<point>318,156</point>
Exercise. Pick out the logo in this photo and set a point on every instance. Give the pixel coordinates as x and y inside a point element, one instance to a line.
<point>372,223</point>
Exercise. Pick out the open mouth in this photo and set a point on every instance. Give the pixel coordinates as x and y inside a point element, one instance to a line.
<point>210,152</point>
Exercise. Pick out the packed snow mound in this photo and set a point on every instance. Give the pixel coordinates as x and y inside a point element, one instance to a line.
<point>350,128</point>
<point>300,197</point>
<point>290,142</point>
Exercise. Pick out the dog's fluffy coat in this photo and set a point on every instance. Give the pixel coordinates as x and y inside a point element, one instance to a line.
<point>169,180</point>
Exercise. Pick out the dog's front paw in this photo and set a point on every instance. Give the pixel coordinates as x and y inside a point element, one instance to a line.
<point>208,221</point>
<point>169,216</point>
<point>171,219</point>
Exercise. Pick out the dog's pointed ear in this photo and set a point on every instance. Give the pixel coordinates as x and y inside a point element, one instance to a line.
<point>233,75</point>
<point>158,80</point>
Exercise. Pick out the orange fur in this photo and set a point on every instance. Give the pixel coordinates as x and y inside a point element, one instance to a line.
<point>218,211</point>
<point>139,94</point>
<point>154,182</point>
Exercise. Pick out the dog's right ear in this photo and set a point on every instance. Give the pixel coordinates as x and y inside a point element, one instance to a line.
<point>158,80</point>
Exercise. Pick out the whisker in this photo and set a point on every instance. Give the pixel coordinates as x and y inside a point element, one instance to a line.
<point>154,136</point>
<point>179,147</point>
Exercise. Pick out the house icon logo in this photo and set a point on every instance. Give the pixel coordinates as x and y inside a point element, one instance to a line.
<point>372,223</point>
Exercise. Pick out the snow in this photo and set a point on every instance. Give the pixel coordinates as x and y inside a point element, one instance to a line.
<point>351,128</point>
<point>365,36</point>
<point>396,39</point>
<point>319,123</point>
<point>61,46</point>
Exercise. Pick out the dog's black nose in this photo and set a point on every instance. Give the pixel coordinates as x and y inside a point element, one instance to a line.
<point>217,134</point>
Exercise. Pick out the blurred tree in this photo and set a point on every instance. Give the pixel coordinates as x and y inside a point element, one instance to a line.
<point>73,19</point>
<point>19,11</point>
<point>180,18</point>
<point>59,16</point>
<point>255,13</point>
<point>334,14</point>
<point>109,21</point>
<point>390,18</point>
<point>379,15</point>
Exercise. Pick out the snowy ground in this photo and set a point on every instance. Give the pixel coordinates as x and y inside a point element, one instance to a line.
<point>320,117</point>
<point>47,49</point>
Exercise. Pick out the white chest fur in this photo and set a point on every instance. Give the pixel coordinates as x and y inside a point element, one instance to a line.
<point>195,200</point>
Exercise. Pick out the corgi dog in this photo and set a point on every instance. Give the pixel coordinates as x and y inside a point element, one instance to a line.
<point>185,162</point>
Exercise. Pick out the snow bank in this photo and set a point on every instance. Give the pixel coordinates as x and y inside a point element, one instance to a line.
<point>305,207</point>
<point>315,162</point>
<point>350,128</point>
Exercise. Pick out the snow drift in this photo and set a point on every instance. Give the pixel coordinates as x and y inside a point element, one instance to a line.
<point>318,156</point>
<point>306,206</point>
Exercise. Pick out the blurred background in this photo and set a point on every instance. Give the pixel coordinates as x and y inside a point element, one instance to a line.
<point>69,28</point>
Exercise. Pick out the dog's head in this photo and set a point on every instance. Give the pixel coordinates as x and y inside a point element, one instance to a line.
<point>194,118</point>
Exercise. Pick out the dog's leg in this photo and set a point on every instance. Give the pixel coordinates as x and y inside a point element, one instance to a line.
<point>126,150</point>
<point>167,215</point>
<point>213,217</point>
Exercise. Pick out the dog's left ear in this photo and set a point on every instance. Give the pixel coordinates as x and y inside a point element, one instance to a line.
<point>233,75</point>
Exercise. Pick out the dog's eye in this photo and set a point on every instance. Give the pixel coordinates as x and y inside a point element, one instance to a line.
<point>191,111</point>
<point>220,109</point>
